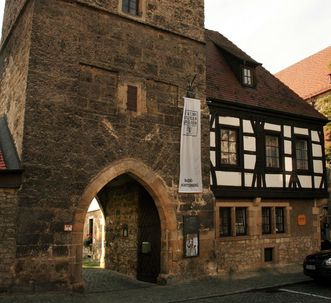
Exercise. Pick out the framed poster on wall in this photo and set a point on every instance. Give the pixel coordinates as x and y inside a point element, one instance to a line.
<point>191,236</point>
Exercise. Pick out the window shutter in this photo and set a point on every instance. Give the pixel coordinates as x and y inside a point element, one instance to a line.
<point>132,98</point>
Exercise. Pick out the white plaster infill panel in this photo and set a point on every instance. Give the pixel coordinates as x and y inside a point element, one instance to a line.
<point>305,181</point>
<point>317,181</point>
<point>274,180</point>
<point>318,166</point>
<point>287,180</point>
<point>225,178</point>
<point>317,150</point>
<point>287,131</point>
<point>247,127</point>
<point>249,143</point>
<point>248,180</point>
<point>274,127</point>
<point>287,147</point>
<point>212,139</point>
<point>211,179</point>
<point>288,164</point>
<point>249,161</point>
<point>314,136</point>
<point>229,121</point>
<point>213,158</point>
<point>301,131</point>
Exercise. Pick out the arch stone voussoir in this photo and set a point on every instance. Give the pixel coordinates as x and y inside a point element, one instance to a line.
<point>158,190</point>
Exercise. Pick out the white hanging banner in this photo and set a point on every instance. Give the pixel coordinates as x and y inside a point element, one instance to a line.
<point>190,178</point>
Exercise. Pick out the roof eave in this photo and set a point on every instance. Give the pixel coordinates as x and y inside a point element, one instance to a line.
<point>219,102</point>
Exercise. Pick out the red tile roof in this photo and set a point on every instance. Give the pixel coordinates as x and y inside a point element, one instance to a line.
<point>270,93</point>
<point>309,77</point>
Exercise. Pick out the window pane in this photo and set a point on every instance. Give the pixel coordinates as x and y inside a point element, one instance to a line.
<point>125,6</point>
<point>280,220</point>
<point>232,147</point>
<point>232,136</point>
<point>301,152</point>
<point>228,146</point>
<point>272,151</point>
<point>233,159</point>
<point>225,221</point>
<point>266,220</point>
<point>130,6</point>
<point>247,76</point>
<point>241,227</point>
<point>224,134</point>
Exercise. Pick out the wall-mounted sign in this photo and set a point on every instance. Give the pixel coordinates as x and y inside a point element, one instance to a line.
<point>301,220</point>
<point>191,236</point>
<point>67,227</point>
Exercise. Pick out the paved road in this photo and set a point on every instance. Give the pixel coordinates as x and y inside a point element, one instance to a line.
<point>267,286</point>
<point>308,292</point>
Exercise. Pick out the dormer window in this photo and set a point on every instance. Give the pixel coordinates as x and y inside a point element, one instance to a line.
<point>131,7</point>
<point>248,76</point>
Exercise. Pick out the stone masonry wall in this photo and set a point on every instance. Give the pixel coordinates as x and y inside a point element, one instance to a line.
<point>14,61</point>
<point>75,125</point>
<point>182,16</point>
<point>244,253</point>
<point>8,207</point>
<point>121,251</point>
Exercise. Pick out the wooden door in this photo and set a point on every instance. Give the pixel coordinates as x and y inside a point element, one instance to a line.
<point>149,239</point>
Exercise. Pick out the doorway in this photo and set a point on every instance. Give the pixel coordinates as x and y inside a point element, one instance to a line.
<point>132,229</point>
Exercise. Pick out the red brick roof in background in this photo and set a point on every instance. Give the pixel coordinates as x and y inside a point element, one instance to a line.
<point>309,77</point>
<point>270,93</point>
<point>2,161</point>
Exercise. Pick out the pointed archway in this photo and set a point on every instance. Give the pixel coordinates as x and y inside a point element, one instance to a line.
<point>156,188</point>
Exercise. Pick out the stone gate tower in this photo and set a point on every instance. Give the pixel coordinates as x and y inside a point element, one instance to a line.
<point>91,100</point>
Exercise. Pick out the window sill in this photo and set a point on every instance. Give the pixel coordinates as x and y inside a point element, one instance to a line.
<point>275,236</point>
<point>250,237</point>
<point>233,238</point>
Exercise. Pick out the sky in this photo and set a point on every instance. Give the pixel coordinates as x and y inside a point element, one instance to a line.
<point>276,33</point>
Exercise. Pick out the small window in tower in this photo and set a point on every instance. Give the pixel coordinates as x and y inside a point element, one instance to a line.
<point>132,98</point>
<point>131,7</point>
<point>248,76</point>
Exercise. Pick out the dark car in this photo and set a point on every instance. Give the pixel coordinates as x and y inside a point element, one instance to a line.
<point>318,265</point>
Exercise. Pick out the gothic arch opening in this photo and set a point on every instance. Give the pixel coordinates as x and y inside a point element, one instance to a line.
<point>129,192</point>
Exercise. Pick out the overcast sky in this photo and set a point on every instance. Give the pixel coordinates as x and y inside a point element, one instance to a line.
<point>277,33</point>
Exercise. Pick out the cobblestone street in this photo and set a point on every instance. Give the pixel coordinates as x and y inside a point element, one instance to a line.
<point>272,286</point>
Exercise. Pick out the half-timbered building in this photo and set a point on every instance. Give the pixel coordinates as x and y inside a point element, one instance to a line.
<point>267,167</point>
